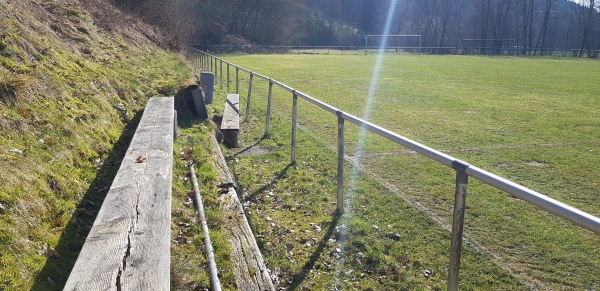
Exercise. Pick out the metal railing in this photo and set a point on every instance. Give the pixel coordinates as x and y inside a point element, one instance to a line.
<point>463,169</point>
<point>298,49</point>
<point>415,49</point>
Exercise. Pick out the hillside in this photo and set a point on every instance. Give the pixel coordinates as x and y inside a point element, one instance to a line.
<point>73,78</point>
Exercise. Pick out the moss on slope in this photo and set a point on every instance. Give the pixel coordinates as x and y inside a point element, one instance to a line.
<point>72,77</point>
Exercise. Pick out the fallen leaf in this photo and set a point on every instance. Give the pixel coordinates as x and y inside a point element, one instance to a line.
<point>140,159</point>
<point>189,202</point>
<point>404,259</point>
<point>394,236</point>
<point>57,223</point>
<point>16,151</point>
<point>52,253</point>
<point>182,240</point>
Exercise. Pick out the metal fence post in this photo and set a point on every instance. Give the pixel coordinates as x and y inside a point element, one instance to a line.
<point>294,125</point>
<point>249,96</point>
<point>269,98</point>
<point>340,164</point>
<point>215,65</point>
<point>237,80</point>
<point>458,222</point>
<point>210,63</point>
<point>221,73</point>
<point>228,85</point>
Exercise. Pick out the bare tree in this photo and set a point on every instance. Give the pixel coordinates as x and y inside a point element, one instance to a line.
<point>548,6</point>
<point>586,43</point>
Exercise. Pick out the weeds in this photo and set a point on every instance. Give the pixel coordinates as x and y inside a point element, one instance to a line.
<point>13,84</point>
<point>189,267</point>
<point>58,155</point>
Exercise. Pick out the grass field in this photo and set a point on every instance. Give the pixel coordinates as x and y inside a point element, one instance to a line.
<point>532,120</point>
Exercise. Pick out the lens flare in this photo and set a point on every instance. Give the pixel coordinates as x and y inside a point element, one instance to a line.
<point>361,138</point>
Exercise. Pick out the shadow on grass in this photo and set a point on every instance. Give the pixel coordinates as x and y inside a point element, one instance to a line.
<point>250,147</point>
<point>299,278</point>
<point>55,272</point>
<point>184,104</point>
<point>255,198</point>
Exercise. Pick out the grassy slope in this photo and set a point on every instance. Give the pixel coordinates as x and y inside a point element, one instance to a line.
<point>530,120</point>
<point>65,127</point>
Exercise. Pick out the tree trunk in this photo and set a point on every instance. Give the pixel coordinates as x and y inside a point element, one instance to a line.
<point>545,25</point>
<point>530,28</point>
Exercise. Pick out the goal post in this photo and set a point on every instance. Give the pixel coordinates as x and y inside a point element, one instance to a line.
<point>391,35</point>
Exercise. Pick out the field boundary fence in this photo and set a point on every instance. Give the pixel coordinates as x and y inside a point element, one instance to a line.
<point>374,49</point>
<point>326,50</point>
<point>463,170</point>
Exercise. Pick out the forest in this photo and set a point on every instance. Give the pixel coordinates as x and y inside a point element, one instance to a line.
<point>534,27</point>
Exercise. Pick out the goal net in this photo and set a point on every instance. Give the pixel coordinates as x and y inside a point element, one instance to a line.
<point>393,43</point>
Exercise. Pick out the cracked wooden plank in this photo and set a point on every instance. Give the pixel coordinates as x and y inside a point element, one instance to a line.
<point>250,270</point>
<point>128,247</point>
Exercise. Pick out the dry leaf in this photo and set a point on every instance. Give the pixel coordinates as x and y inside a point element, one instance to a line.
<point>52,253</point>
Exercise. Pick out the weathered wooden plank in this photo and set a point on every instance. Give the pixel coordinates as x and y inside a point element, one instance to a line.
<point>230,125</point>
<point>128,247</point>
<point>249,267</point>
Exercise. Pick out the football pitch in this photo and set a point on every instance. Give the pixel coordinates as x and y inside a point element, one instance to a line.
<point>535,121</point>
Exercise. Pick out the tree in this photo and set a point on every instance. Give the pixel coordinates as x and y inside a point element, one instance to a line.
<point>549,4</point>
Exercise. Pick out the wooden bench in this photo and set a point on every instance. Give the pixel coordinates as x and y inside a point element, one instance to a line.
<point>128,247</point>
<point>230,125</point>
<point>248,265</point>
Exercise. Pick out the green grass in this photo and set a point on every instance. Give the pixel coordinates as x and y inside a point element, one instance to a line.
<point>189,264</point>
<point>67,114</point>
<point>531,120</point>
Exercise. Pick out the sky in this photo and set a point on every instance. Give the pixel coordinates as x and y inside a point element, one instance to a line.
<point>580,1</point>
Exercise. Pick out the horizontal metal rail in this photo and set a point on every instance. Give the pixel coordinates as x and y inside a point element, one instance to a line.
<point>463,169</point>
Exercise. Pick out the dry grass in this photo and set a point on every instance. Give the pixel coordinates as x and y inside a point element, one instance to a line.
<point>12,85</point>
<point>58,154</point>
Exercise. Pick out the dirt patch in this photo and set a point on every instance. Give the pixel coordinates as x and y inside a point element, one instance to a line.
<point>254,151</point>
<point>501,165</point>
<point>538,163</point>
